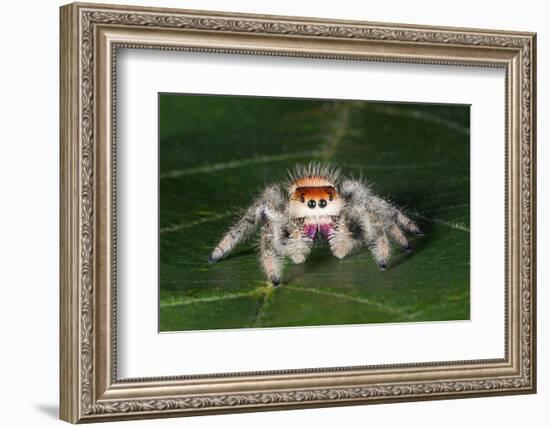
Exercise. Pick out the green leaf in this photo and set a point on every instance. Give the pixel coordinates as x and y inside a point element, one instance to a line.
<point>217,153</point>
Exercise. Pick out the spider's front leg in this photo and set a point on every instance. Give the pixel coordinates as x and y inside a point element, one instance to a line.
<point>280,238</point>
<point>376,240</point>
<point>270,251</point>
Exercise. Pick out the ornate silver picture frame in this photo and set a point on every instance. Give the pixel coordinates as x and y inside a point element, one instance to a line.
<point>90,36</point>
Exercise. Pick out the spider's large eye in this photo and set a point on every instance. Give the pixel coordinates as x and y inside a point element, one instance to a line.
<point>311,204</point>
<point>322,203</point>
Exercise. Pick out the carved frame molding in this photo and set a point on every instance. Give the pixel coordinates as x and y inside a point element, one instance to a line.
<point>90,36</point>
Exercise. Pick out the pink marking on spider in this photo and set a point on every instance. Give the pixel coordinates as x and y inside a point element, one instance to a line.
<point>312,230</point>
<point>326,230</point>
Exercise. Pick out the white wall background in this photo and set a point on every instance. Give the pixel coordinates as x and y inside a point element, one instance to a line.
<point>29,170</point>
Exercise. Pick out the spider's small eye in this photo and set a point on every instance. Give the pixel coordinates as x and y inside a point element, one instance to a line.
<point>330,197</point>
<point>302,199</point>
<point>311,204</point>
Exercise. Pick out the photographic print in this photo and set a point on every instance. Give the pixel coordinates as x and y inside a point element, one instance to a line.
<point>291,204</point>
<point>280,212</point>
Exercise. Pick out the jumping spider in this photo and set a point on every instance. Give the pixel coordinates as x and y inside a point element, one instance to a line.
<point>318,204</point>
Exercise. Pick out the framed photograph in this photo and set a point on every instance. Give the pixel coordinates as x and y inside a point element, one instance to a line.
<point>266,212</point>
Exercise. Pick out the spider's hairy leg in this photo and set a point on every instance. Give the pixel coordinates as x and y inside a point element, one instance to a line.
<point>394,220</point>
<point>374,237</point>
<point>408,224</point>
<point>399,237</point>
<point>359,195</point>
<point>341,240</point>
<point>379,220</point>
<point>296,246</point>
<point>381,251</point>
<point>355,192</point>
<point>270,203</point>
<point>270,257</point>
<point>370,213</point>
<point>391,216</point>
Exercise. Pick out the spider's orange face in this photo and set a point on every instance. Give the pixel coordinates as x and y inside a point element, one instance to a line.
<point>315,201</point>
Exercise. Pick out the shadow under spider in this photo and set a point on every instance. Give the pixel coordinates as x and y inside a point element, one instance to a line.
<point>241,253</point>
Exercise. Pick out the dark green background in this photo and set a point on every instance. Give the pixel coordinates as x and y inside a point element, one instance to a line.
<point>217,153</point>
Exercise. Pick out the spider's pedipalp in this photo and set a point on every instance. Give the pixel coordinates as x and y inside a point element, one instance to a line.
<point>341,241</point>
<point>297,246</point>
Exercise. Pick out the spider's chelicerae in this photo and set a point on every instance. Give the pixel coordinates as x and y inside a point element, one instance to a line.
<point>318,204</point>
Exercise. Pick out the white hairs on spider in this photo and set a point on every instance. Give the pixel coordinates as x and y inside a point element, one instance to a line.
<point>318,204</point>
<point>315,174</point>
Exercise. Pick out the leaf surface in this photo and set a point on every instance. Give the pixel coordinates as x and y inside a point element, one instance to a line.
<point>217,153</point>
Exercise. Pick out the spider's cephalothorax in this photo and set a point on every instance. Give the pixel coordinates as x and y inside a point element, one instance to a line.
<point>317,204</point>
